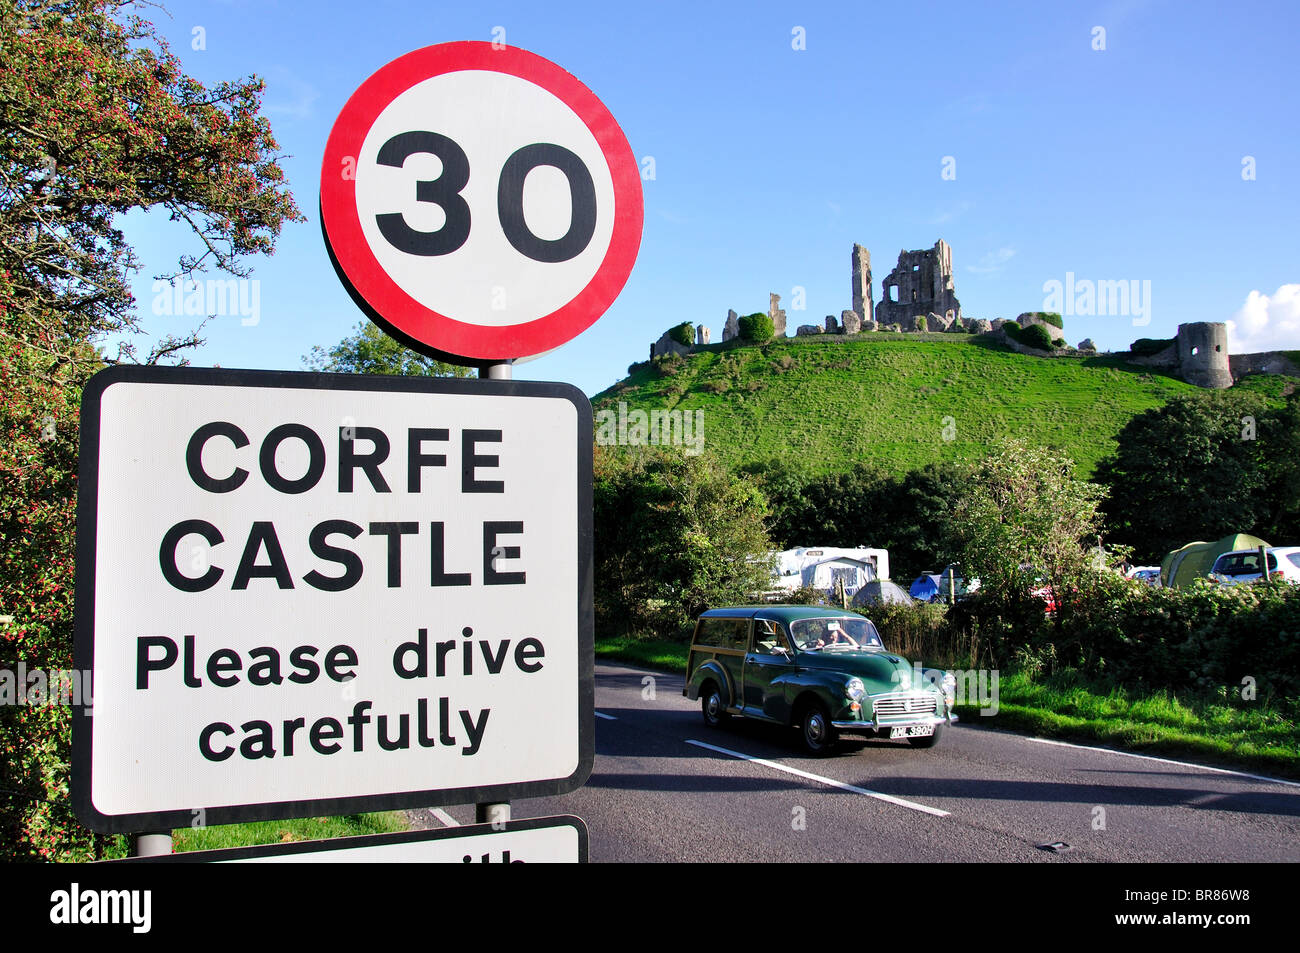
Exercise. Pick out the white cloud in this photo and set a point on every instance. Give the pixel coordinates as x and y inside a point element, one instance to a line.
<point>1266,323</point>
<point>993,261</point>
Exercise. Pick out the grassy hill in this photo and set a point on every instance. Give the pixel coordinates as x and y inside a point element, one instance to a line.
<point>831,402</point>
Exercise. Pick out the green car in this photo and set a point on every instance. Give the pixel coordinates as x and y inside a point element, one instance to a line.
<point>824,670</point>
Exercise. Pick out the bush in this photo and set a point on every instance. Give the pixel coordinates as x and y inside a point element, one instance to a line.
<point>757,327</point>
<point>683,334</point>
<point>1145,347</point>
<point>1037,336</point>
<point>922,633</point>
<point>921,323</point>
<point>1012,330</point>
<point>669,365</point>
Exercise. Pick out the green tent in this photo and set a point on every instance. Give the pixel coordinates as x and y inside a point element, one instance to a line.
<point>1195,560</point>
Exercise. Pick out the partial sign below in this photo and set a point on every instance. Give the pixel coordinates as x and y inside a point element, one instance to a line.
<point>541,840</point>
<point>310,594</point>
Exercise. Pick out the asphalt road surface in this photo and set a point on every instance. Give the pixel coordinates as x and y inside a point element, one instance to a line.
<point>665,787</point>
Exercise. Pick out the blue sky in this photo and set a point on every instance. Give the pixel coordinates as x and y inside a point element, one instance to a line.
<point>1123,163</point>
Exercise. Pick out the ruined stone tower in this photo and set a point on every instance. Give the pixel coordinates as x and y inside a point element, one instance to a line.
<point>777,314</point>
<point>1203,354</point>
<point>864,304</point>
<point>920,284</point>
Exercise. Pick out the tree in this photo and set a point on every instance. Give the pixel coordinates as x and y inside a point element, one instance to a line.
<point>96,119</point>
<point>1192,469</point>
<point>907,514</point>
<point>1280,447</point>
<point>1022,507</point>
<point>675,534</point>
<point>756,327</point>
<point>371,351</point>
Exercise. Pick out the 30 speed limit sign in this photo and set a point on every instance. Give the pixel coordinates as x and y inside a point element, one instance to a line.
<point>479,202</point>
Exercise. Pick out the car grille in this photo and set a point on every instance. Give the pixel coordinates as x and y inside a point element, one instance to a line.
<point>904,706</point>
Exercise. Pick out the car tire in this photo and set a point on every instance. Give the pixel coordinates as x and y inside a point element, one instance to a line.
<point>927,742</point>
<point>713,707</point>
<point>816,734</point>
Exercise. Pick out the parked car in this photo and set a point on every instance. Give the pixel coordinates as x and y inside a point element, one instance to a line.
<point>1148,574</point>
<point>1242,566</point>
<point>825,671</point>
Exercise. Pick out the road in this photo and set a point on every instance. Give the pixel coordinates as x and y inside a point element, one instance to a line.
<point>667,788</point>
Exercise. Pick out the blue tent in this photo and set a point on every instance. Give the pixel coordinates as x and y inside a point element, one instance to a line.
<point>925,587</point>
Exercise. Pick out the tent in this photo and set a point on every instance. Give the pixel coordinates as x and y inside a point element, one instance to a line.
<point>925,588</point>
<point>1195,560</point>
<point>881,591</point>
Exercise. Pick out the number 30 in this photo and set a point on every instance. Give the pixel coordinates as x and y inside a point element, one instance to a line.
<point>445,190</point>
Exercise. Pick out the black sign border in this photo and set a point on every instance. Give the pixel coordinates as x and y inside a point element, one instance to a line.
<point>256,852</point>
<point>84,613</point>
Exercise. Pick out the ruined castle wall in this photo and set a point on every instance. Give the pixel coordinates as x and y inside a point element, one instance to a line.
<point>921,283</point>
<point>1265,362</point>
<point>864,305</point>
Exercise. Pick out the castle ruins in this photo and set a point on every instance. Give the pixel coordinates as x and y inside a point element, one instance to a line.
<point>919,295</point>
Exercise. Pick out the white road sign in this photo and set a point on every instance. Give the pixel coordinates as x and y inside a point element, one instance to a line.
<point>310,594</point>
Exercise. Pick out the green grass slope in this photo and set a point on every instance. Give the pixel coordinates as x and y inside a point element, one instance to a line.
<point>882,398</point>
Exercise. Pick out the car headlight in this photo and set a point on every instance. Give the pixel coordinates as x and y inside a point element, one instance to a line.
<point>855,689</point>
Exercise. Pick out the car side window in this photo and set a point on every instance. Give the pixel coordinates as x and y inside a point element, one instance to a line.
<point>723,633</point>
<point>769,637</point>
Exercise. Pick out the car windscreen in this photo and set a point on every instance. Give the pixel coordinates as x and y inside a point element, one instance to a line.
<point>835,634</point>
<point>1241,564</point>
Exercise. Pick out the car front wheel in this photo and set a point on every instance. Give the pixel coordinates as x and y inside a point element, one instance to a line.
<point>815,730</point>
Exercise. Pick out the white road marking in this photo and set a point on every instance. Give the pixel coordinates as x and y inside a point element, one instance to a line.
<point>911,805</point>
<point>601,714</point>
<point>447,819</point>
<point>1181,764</point>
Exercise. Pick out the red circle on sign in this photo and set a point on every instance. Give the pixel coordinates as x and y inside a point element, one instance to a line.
<point>392,307</point>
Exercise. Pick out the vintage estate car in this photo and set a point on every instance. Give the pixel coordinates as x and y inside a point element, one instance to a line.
<point>823,670</point>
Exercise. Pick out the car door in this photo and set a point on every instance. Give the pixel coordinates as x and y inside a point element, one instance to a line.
<point>765,664</point>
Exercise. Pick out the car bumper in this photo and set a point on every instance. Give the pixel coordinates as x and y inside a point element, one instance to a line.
<point>870,727</point>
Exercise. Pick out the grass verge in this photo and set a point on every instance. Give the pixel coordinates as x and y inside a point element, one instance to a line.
<point>652,653</point>
<point>284,832</point>
<point>1256,738</point>
<point>1259,739</point>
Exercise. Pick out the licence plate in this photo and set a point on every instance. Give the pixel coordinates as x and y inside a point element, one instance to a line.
<point>912,731</point>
